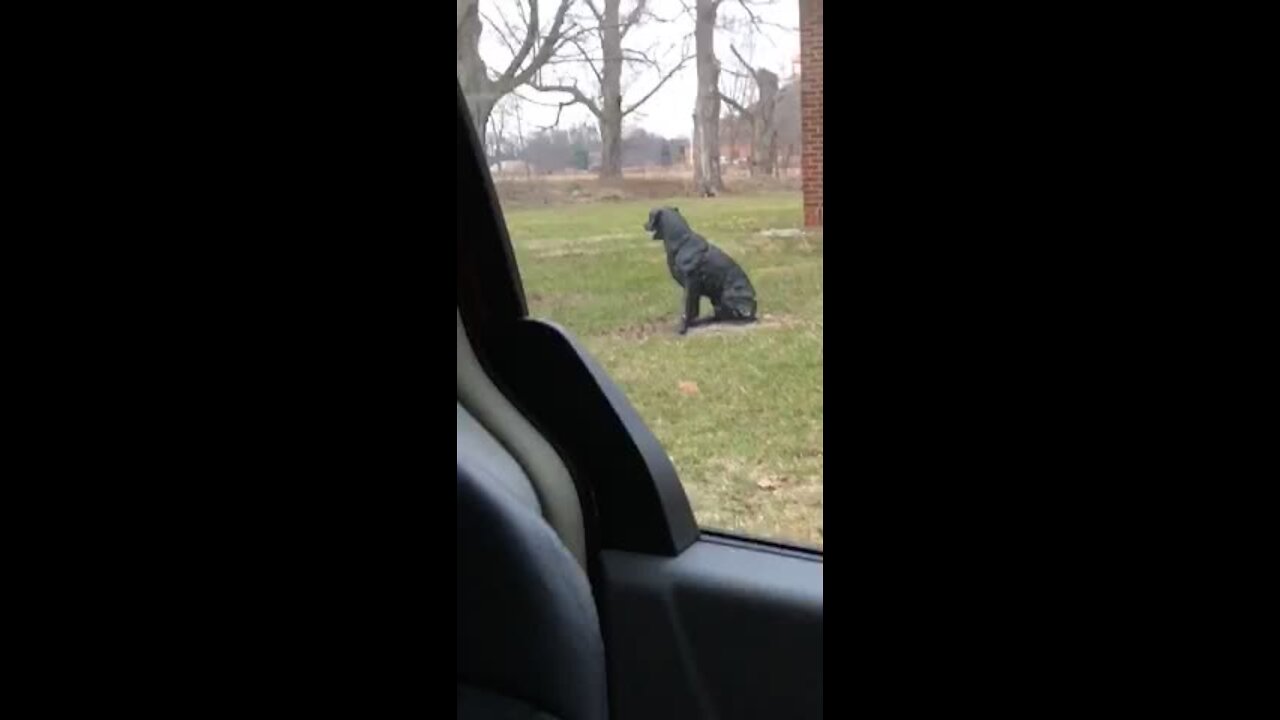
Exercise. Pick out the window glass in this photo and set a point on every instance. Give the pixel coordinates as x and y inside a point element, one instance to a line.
<point>647,151</point>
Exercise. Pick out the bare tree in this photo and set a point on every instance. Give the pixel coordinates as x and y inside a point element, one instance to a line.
<point>530,49</point>
<point>786,119</point>
<point>706,170</point>
<point>606,58</point>
<point>737,92</point>
<point>764,133</point>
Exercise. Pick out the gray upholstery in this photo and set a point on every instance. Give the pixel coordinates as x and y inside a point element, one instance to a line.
<point>543,469</point>
<point>475,703</point>
<point>479,449</point>
<point>528,637</point>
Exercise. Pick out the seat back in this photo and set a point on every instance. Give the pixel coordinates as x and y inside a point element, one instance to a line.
<point>528,636</point>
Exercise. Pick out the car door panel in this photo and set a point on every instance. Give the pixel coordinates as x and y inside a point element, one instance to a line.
<point>723,630</point>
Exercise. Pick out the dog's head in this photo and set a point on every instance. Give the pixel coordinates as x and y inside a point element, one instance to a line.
<point>657,218</point>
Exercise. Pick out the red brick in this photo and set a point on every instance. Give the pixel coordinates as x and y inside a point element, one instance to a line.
<point>811,117</point>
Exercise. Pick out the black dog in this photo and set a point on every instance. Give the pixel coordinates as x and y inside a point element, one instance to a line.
<point>702,269</point>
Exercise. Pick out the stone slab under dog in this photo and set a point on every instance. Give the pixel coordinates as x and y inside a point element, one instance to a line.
<point>765,322</point>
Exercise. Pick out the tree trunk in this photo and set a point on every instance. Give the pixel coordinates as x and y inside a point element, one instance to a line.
<point>611,92</point>
<point>473,76</point>
<point>694,155</point>
<point>611,143</point>
<point>480,108</point>
<point>735,127</point>
<point>764,135</point>
<point>707,109</point>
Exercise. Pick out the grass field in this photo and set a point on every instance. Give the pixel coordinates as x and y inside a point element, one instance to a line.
<point>739,409</point>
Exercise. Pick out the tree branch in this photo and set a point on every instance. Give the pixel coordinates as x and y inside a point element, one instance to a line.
<point>586,57</point>
<point>539,103</point>
<point>502,30</point>
<point>659,19</point>
<point>573,91</point>
<point>745,64</point>
<point>638,56</point>
<point>556,123</point>
<point>550,43</point>
<point>679,66</point>
<point>757,22</point>
<point>530,37</point>
<point>632,18</point>
<point>734,104</point>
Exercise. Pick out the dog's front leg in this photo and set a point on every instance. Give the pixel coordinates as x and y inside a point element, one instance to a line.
<point>692,298</point>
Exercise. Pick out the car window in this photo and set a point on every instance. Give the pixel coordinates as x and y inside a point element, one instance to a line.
<point>659,166</point>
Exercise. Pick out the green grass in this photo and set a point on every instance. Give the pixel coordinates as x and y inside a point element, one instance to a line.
<point>748,441</point>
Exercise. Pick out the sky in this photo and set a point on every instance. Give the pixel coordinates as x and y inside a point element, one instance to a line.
<point>669,111</point>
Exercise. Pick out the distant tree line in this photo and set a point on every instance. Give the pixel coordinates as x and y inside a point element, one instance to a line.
<point>553,150</point>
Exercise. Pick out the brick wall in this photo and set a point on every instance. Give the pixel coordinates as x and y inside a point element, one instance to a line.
<point>811,108</point>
